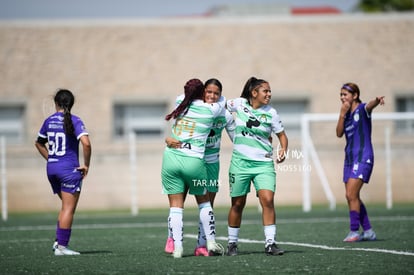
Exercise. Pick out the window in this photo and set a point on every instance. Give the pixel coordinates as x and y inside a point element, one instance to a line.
<point>12,122</point>
<point>405,104</point>
<point>146,120</point>
<point>290,111</point>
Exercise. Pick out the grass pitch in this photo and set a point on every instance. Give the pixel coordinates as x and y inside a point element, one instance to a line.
<point>117,243</point>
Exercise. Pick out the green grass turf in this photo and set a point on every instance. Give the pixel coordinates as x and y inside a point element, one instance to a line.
<point>117,243</point>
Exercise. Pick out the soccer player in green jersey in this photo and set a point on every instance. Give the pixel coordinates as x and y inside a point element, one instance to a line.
<point>212,93</point>
<point>252,160</point>
<point>183,167</point>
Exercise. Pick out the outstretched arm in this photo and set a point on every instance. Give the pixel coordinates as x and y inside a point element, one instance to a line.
<point>379,100</point>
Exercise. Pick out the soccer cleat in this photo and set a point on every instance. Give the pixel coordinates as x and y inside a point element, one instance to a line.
<point>201,251</point>
<point>353,236</point>
<point>368,235</point>
<point>215,249</point>
<point>54,246</point>
<point>273,250</point>
<point>178,252</point>
<point>169,246</point>
<point>62,251</point>
<point>232,249</point>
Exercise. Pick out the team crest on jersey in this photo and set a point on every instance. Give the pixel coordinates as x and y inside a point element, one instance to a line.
<point>263,118</point>
<point>356,117</point>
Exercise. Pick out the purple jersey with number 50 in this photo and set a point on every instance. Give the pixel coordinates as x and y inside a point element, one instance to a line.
<point>63,153</point>
<point>63,149</point>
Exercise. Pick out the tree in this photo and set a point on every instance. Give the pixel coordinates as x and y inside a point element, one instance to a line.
<point>386,5</point>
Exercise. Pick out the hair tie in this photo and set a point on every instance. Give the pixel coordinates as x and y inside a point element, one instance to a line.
<point>348,88</point>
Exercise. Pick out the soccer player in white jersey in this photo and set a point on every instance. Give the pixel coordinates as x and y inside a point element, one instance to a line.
<point>62,132</point>
<point>183,168</point>
<point>252,160</point>
<point>212,92</point>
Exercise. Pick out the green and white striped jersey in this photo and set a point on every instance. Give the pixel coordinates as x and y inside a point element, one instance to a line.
<point>224,121</point>
<point>253,129</point>
<point>193,128</point>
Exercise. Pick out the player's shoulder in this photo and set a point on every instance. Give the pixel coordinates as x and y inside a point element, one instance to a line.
<point>268,109</point>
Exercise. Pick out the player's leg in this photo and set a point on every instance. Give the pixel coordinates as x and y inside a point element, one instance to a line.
<point>212,188</point>
<point>368,233</point>
<point>169,244</point>
<point>174,186</point>
<point>352,190</point>
<point>176,225</point>
<point>265,184</point>
<point>208,224</point>
<point>65,220</point>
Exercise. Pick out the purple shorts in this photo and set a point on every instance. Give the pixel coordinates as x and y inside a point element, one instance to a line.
<point>64,179</point>
<point>361,171</point>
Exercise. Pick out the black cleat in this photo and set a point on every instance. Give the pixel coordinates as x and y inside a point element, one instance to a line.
<point>273,250</point>
<point>232,249</point>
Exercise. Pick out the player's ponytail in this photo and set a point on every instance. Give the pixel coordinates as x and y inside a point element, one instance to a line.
<point>193,89</point>
<point>64,99</point>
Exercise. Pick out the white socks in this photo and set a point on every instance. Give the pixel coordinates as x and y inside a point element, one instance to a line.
<point>207,220</point>
<point>175,225</point>
<point>270,233</point>
<point>233,233</point>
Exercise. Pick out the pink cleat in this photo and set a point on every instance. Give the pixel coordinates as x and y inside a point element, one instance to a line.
<point>201,251</point>
<point>169,246</point>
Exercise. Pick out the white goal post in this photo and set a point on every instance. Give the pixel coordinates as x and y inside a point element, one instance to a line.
<point>4,202</point>
<point>310,154</point>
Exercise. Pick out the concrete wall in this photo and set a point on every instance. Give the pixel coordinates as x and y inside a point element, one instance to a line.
<point>106,61</point>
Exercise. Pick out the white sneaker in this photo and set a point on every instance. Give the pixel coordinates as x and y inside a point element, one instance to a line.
<point>353,236</point>
<point>178,252</point>
<point>61,251</point>
<point>54,246</point>
<point>215,248</point>
<point>368,235</point>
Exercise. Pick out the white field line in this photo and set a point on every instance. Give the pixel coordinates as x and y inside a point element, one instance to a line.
<point>280,221</point>
<point>325,247</point>
<point>161,224</point>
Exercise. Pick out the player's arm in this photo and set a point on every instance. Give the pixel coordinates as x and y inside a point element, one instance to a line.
<point>217,107</point>
<point>230,125</point>
<point>172,142</point>
<point>87,152</point>
<point>41,147</point>
<point>379,100</point>
<point>341,120</point>
<point>283,140</point>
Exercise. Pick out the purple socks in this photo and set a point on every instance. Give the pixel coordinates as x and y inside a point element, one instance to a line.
<point>356,219</point>
<point>63,235</point>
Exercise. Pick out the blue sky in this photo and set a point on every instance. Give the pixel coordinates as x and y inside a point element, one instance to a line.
<point>72,9</point>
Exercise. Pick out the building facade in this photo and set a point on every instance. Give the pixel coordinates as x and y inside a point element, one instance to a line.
<point>126,74</point>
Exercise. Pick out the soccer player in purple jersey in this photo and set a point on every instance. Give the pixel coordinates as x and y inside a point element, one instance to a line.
<point>62,132</point>
<point>355,122</point>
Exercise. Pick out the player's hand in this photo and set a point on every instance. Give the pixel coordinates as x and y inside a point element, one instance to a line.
<point>84,170</point>
<point>172,143</point>
<point>345,107</point>
<point>380,100</point>
<point>281,156</point>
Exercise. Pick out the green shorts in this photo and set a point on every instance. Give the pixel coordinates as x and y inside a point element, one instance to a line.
<point>242,172</point>
<point>213,182</point>
<point>180,173</point>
